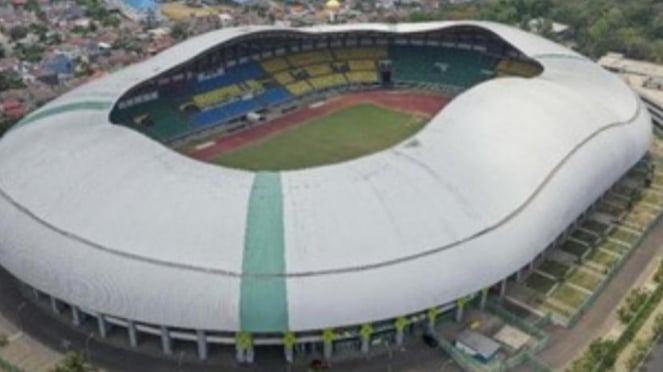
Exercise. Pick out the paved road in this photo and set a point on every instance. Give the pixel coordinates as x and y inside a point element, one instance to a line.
<point>654,362</point>
<point>60,336</point>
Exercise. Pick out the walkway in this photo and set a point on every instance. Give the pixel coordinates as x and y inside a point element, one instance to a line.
<point>568,344</point>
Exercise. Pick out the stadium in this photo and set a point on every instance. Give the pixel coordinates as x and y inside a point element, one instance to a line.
<point>309,189</point>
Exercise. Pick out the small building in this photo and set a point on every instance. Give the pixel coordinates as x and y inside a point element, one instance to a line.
<point>477,345</point>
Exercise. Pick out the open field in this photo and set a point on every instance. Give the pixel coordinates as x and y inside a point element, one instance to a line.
<point>342,135</point>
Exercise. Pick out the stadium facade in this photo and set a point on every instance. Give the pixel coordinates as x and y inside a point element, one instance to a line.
<point>114,227</point>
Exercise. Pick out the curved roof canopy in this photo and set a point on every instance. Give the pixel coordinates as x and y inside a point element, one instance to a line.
<point>101,216</point>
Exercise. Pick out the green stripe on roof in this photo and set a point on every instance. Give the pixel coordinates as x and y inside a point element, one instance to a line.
<point>263,297</point>
<point>76,106</point>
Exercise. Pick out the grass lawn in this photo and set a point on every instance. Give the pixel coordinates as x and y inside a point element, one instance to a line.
<point>551,307</point>
<point>624,235</point>
<point>539,283</point>
<point>569,296</point>
<point>603,258</point>
<point>346,134</point>
<point>585,279</point>
<point>613,246</point>
<point>554,268</point>
<point>653,197</point>
<point>574,248</point>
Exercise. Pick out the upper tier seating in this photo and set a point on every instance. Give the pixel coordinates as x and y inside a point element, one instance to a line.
<point>361,65</point>
<point>374,53</point>
<point>275,64</point>
<point>217,95</point>
<point>319,69</point>
<point>512,67</point>
<point>451,66</point>
<point>308,58</point>
<point>167,121</point>
<point>232,75</point>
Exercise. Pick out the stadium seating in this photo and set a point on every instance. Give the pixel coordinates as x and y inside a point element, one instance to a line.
<point>217,95</point>
<point>232,75</point>
<point>254,86</point>
<point>275,64</point>
<point>328,81</point>
<point>299,88</point>
<point>361,65</point>
<point>451,66</point>
<point>374,53</point>
<point>362,76</point>
<point>167,122</point>
<point>309,58</point>
<point>275,96</point>
<point>512,67</point>
<point>319,69</point>
<point>284,77</point>
<point>223,113</point>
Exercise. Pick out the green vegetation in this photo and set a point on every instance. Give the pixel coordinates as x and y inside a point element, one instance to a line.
<point>569,296</point>
<point>603,258</point>
<point>636,298</point>
<point>340,136</point>
<point>633,27</point>
<point>574,248</point>
<point>554,268</point>
<point>625,236</point>
<point>73,362</point>
<point>585,279</point>
<point>3,340</point>
<point>540,283</point>
<point>641,348</point>
<point>599,351</point>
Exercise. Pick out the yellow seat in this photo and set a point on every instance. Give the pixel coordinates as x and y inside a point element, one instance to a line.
<point>299,88</point>
<point>274,64</point>
<point>319,69</point>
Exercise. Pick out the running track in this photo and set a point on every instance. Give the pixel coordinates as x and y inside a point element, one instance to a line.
<point>422,104</point>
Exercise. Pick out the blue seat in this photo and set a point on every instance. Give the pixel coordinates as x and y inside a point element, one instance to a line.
<point>232,75</point>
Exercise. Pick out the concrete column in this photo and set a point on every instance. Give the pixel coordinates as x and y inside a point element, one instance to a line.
<point>35,292</point>
<point>484,297</point>
<point>503,288</point>
<point>289,353</point>
<point>103,327</point>
<point>166,342</point>
<point>327,350</point>
<point>459,313</point>
<point>519,275</point>
<point>365,344</point>
<point>531,266</point>
<point>75,315</point>
<point>131,330</point>
<point>239,353</point>
<point>54,305</point>
<point>400,335</point>
<point>250,354</point>
<point>202,345</point>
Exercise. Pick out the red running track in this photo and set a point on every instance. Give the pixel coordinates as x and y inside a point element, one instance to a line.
<point>422,104</point>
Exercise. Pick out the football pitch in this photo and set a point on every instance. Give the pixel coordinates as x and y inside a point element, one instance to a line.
<point>342,135</point>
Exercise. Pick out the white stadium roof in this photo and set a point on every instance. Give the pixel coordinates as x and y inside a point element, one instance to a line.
<point>104,217</point>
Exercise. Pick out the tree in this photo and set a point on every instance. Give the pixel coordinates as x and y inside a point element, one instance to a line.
<point>18,32</point>
<point>74,362</point>
<point>657,328</point>
<point>179,31</point>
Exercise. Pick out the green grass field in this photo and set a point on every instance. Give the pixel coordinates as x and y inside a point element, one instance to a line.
<point>343,135</point>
